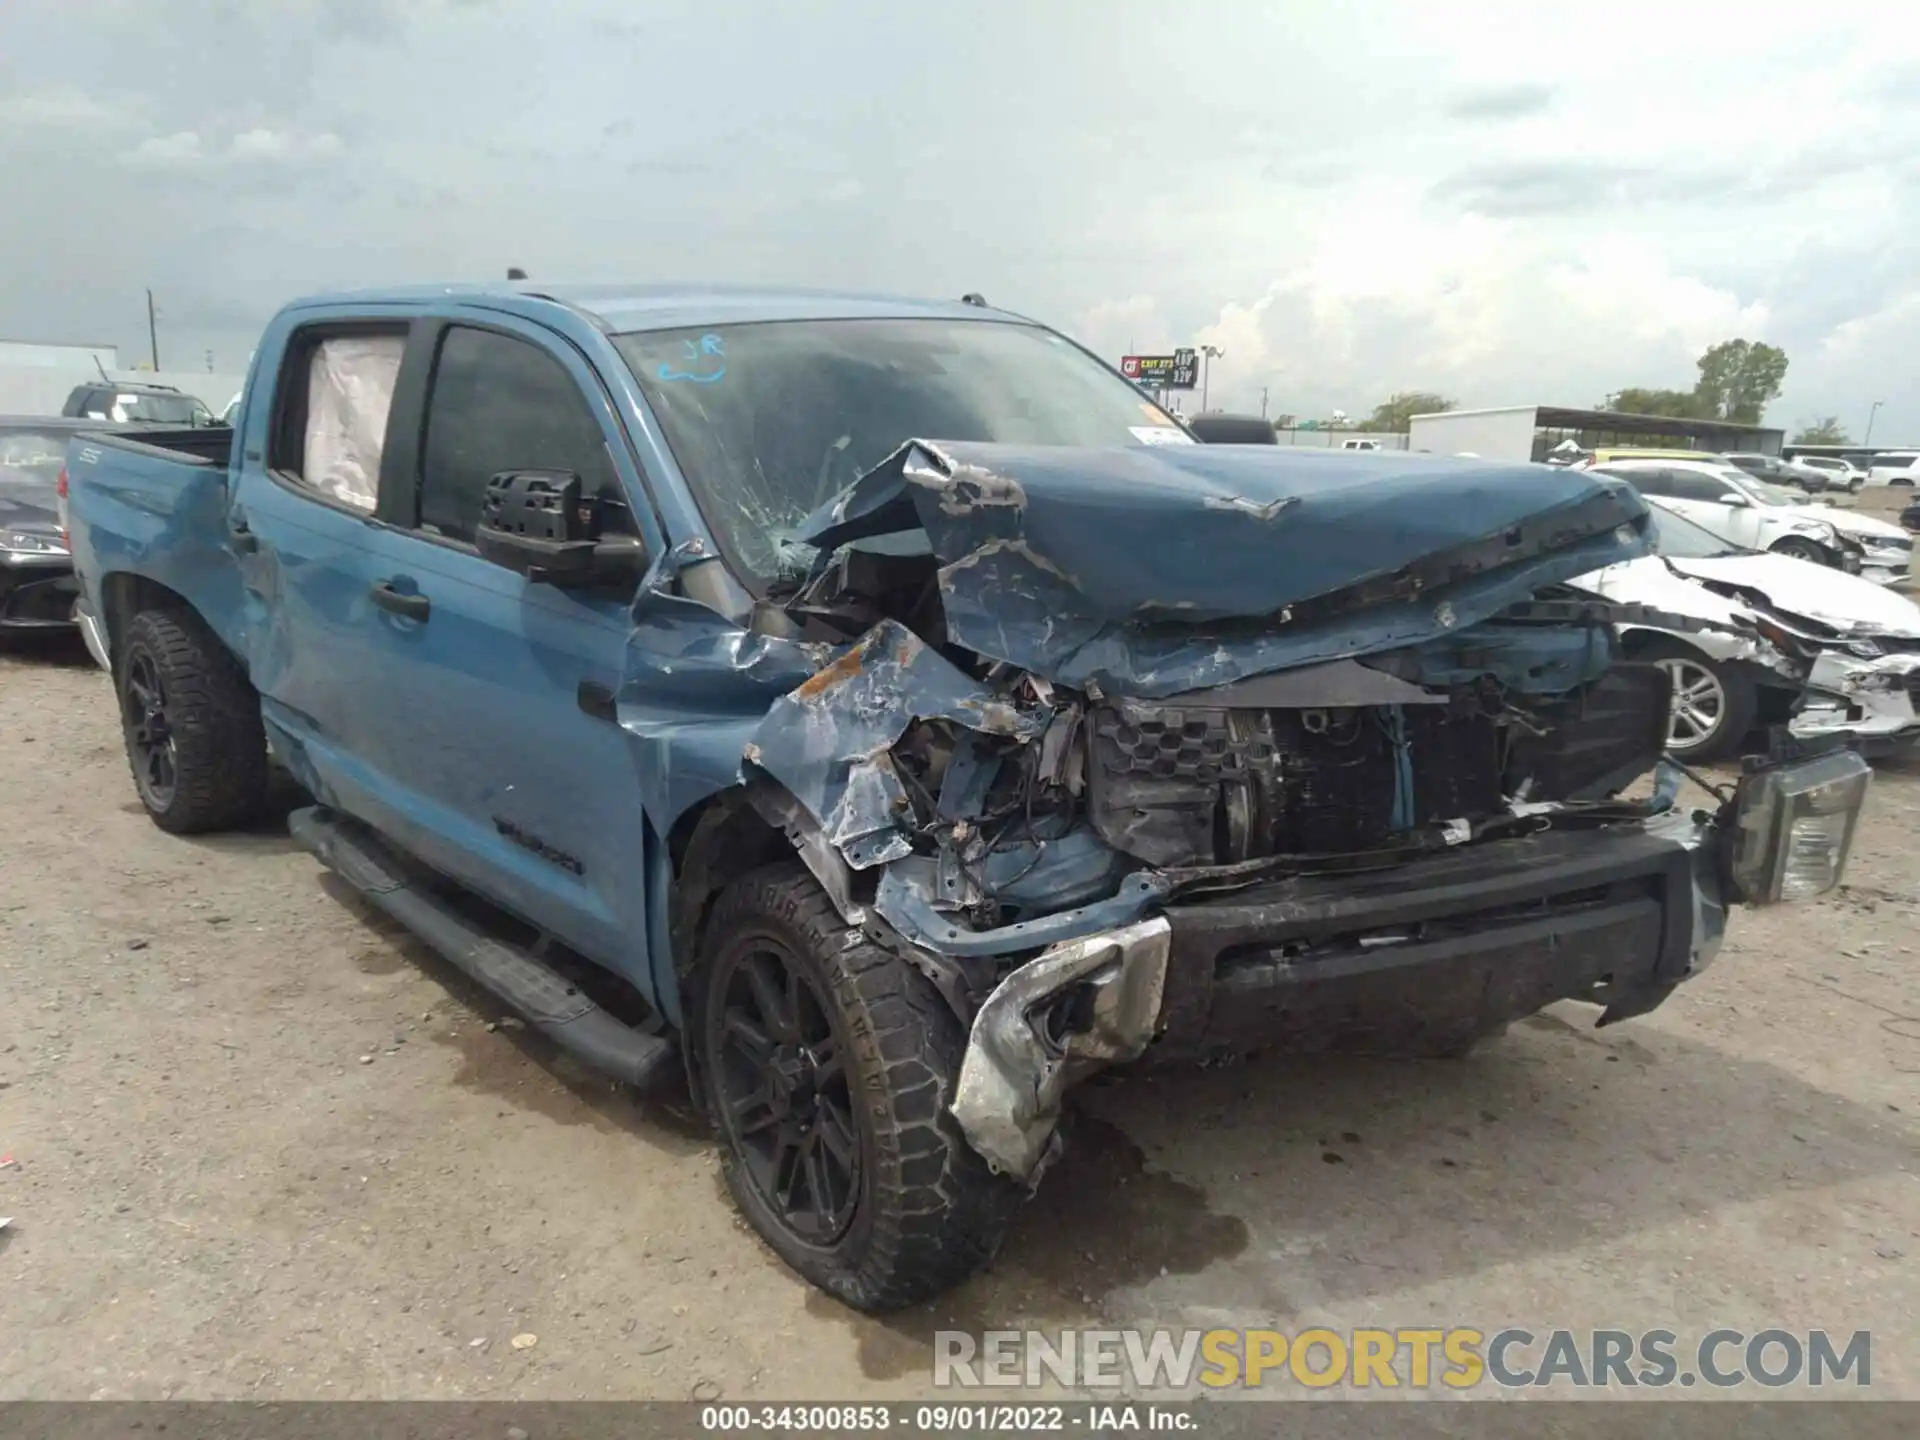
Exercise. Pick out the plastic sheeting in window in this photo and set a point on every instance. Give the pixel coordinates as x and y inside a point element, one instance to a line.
<point>349,391</point>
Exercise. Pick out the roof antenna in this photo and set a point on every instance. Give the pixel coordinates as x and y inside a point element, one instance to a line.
<point>514,272</point>
<point>973,297</point>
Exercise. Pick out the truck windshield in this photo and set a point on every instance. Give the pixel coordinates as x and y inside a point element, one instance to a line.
<point>770,420</point>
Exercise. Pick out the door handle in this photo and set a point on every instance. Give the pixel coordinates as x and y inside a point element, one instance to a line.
<point>414,607</point>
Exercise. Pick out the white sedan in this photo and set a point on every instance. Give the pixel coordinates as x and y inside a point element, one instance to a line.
<point>1782,640</point>
<point>1753,515</point>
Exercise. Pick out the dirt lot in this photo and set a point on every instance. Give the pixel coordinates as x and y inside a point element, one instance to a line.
<point>266,1147</point>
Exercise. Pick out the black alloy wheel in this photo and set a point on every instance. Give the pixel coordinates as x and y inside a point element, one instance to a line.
<point>780,1081</point>
<point>149,728</point>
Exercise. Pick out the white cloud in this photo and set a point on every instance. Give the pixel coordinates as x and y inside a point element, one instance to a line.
<point>283,147</point>
<point>62,108</point>
<point>185,149</point>
<point>178,150</point>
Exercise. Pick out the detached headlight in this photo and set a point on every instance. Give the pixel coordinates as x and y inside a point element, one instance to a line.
<point>1865,649</point>
<point>22,542</point>
<point>1794,826</point>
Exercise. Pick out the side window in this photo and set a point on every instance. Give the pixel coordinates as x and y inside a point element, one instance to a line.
<point>1690,485</point>
<point>331,415</point>
<point>497,404</point>
<point>1646,481</point>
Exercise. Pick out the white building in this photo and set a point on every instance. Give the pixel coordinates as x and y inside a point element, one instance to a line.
<point>1528,432</point>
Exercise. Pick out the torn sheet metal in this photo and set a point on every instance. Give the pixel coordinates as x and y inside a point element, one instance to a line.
<point>1012,1078</point>
<point>829,741</point>
<point>695,687</point>
<point>1063,561</point>
<point>1854,695</point>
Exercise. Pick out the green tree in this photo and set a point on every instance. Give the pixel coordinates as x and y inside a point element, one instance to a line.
<point>1825,431</point>
<point>1395,413</point>
<point>1674,404</point>
<point>1739,378</point>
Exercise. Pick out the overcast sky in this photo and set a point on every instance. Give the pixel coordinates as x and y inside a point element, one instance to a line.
<point>1506,203</point>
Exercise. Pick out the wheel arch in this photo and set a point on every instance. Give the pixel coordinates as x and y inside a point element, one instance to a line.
<point>125,594</point>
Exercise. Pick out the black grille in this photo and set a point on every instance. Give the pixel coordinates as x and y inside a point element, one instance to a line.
<point>1177,785</point>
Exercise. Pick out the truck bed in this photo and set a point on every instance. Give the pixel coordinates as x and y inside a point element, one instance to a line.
<point>202,445</point>
<point>151,504</point>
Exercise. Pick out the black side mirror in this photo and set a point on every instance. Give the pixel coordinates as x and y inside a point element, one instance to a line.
<point>535,522</point>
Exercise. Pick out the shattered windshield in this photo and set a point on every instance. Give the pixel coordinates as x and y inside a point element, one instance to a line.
<point>770,420</point>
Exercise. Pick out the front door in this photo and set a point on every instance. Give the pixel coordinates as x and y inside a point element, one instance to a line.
<point>1701,498</point>
<point>494,717</point>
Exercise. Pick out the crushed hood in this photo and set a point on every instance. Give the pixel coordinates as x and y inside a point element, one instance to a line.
<point>1152,571</point>
<point>1832,597</point>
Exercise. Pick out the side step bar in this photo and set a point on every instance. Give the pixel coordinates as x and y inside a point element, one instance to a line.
<point>551,1003</point>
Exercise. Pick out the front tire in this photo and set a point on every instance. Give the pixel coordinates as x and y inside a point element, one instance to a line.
<point>1714,705</point>
<point>827,1065</point>
<point>191,722</point>
<point>1796,548</point>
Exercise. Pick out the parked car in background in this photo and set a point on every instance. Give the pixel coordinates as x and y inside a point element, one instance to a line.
<point>37,589</point>
<point>915,748</point>
<point>1894,467</point>
<point>233,408</point>
<point>1775,471</point>
<point>136,404</point>
<point>1731,504</point>
<point>1910,517</point>
<point>1359,444</point>
<point>1825,652</point>
<point>1222,429</point>
<point>1840,474</point>
<point>1607,454</point>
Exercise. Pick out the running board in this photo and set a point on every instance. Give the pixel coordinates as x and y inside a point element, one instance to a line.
<point>551,1003</point>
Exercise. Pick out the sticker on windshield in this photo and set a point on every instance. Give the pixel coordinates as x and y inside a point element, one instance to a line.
<point>1160,435</point>
<point>705,362</point>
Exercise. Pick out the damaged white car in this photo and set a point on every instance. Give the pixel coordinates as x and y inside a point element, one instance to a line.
<point>1778,641</point>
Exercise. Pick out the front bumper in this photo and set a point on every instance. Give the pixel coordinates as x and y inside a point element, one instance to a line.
<point>1423,956</point>
<point>1418,956</point>
<point>1875,701</point>
<point>1887,567</point>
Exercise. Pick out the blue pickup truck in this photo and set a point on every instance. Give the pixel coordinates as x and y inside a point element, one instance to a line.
<point>881,714</point>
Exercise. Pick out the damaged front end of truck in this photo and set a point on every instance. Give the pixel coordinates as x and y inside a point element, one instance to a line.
<point>1177,752</point>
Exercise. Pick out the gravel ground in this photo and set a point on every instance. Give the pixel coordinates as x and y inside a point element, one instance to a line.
<point>266,1147</point>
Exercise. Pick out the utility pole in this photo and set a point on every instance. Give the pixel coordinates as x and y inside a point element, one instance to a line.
<point>1208,353</point>
<point>1870,414</point>
<point>1263,402</point>
<point>153,332</point>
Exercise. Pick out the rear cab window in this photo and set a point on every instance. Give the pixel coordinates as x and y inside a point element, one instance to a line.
<point>333,403</point>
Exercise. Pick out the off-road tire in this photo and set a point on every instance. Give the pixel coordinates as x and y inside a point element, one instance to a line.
<point>929,1211</point>
<point>222,778</point>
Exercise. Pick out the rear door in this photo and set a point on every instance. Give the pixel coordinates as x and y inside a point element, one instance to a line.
<point>301,520</point>
<point>493,720</point>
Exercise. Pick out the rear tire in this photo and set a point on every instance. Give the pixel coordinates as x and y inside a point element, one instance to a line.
<point>827,1066</point>
<point>1715,705</point>
<point>191,722</point>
